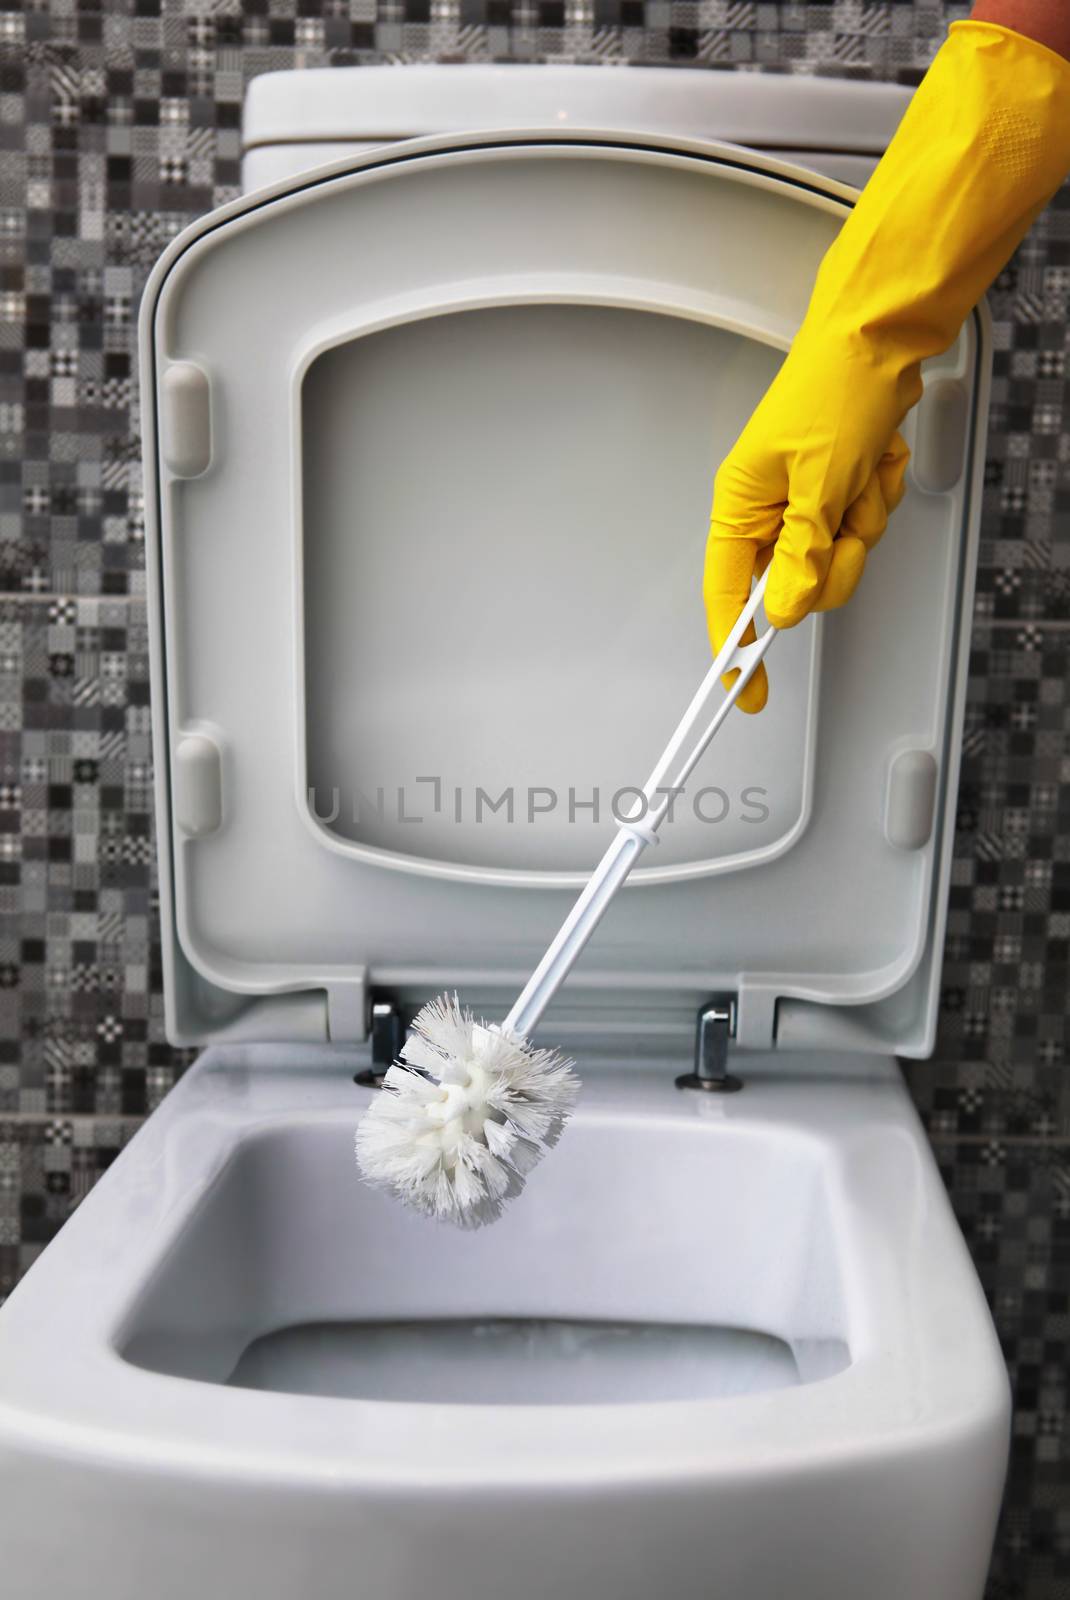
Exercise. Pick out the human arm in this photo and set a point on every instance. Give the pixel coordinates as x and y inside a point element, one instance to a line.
<point>1046,21</point>
<point>813,478</point>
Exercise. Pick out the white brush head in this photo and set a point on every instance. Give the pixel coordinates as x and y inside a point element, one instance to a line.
<point>463,1115</point>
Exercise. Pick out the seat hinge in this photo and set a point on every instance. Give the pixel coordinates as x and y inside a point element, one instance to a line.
<point>716,1025</point>
<point>387,1037</point>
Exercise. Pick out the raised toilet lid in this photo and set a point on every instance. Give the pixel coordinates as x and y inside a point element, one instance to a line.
<point>430,444</point>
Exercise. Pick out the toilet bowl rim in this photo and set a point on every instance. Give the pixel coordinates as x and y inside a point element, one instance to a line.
<point>62,1378</point>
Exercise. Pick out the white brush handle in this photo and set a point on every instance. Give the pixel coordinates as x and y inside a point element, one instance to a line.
<point>679,759</point>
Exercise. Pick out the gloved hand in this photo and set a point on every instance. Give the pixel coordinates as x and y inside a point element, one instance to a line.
<point>811,481</point>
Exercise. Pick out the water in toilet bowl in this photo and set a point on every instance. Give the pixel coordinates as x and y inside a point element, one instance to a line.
<point>528,1361</point>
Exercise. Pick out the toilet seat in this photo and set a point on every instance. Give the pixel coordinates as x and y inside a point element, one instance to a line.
<point>290,340</point>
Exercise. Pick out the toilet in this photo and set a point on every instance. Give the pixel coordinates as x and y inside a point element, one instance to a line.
<point>431,418</point>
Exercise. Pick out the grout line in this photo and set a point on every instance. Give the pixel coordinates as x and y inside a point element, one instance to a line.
<point>977,623</point>
<point>1023,1140</point>
<point>67,594</point>
<point>1051,624</point>
<point>73,1116</point>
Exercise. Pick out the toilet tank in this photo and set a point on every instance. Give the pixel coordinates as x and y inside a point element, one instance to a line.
<point>295,121</point>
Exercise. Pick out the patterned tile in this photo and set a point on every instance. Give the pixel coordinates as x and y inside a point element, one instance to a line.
<point>119,122</point>
<point>46,1166</point>
<point>1025,554</point>
<point>1013,1204</point>
<point>1000,1063</point>
<point>80,1009</point>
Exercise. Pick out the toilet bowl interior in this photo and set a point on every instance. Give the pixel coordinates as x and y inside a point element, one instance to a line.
<point>679,1262</point>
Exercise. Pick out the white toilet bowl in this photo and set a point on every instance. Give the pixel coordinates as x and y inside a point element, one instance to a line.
<point>726,1346</point>
<point>429,438</point>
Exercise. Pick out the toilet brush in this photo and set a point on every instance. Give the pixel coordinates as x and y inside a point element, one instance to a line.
<point>469,1108</point>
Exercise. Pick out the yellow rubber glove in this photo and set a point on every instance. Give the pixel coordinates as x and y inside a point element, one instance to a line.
<point>813,477</point>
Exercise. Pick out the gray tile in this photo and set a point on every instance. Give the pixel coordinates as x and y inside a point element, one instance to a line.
<point>47,1165</point>
<point>1000,1062</point>
<point>1013,1203</point>
<point>80,1009</point>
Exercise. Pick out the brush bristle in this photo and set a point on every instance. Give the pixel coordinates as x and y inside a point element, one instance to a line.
<point>463,1116</point>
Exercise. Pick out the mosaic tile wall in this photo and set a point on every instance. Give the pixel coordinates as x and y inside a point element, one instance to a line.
<point>119,121</point>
